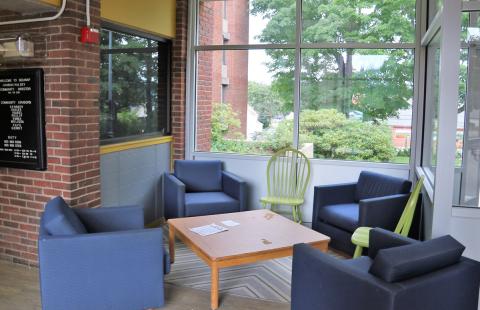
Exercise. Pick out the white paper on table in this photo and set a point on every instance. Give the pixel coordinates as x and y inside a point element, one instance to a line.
<point>208,229</point>
<point>230,223</point>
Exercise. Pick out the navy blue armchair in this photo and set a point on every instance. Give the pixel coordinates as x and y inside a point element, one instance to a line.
<point>376,200</point>
<point>99,259</point>
<point>200,187</point>
<point>399,274</point>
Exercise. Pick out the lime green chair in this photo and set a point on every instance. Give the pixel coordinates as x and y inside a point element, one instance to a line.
<point>288,173</point>
<point>361,235</point>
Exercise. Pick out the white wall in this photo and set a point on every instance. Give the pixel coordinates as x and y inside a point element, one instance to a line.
<point>253,170</point>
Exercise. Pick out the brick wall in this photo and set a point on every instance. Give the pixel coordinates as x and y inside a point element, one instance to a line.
<point>179,65</point>
<point>211,87</point>
<point>72,127</point>
<point>205,77</point>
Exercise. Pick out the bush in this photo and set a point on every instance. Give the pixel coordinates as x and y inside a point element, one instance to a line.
<point>332,134</point>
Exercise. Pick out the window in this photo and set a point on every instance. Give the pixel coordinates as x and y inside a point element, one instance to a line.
<point>135,89</point>
<point>468,116</point>
<point>335,81</point>
<point>431,107</point>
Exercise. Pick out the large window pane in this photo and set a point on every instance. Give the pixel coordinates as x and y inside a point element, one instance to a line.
<point>347,21</point>
<point>429,158</point>
<point>468,120</point>
<point>134,90</point>
<point>244,104</point>
<point>246,22</point>
<point>433,7</point>
<point>356,104</point>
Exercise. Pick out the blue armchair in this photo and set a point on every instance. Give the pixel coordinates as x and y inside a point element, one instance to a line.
<point>376,200</point>
<point>200,187</point>
<point>399,274</point>
<point>99,259</point>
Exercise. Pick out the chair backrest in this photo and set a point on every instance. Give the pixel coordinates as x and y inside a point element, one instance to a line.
<point>59,219</point>
<point>372,185</point>
<point>405,222</point>
<point>199,175</point>
<point>288,173</point>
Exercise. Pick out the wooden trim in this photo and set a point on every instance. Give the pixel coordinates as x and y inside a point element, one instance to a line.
<point>118,147</point>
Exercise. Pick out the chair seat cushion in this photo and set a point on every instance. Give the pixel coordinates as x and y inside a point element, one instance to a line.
<point>60,219</point>
<point>409,261</point>
<point>361,236</point>
<point>197,204</point>
<point>344,216</point>
<point>362,264</point>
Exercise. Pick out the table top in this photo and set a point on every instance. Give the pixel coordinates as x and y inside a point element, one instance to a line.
<point>260,231</point>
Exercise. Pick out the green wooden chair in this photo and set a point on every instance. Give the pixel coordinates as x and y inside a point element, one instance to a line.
<point>288,173</point>
<point>361,235</point>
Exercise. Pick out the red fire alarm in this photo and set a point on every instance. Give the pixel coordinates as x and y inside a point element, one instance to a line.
<point>90,35</point>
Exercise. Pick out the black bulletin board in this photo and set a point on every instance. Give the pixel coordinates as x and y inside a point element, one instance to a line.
<point>22,119</point>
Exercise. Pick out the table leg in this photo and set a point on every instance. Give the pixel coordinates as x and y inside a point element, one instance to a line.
<point>171,243</point>
<point>214,288</point>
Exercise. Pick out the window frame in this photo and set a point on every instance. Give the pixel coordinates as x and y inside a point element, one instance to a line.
<point>193,47</point>
<point>166,46</point>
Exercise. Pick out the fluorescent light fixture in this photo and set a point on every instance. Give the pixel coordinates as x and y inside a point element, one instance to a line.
<point>17,47</point>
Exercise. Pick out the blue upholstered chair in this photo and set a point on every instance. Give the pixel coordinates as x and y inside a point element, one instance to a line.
<point>376,200</point>
<point>399,274</point>
<point>200,187</point>
<point>99,259</point>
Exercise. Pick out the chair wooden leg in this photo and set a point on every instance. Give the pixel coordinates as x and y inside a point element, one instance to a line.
<point>299,214</point>
<point>358,251</point>
<point>295,214</point>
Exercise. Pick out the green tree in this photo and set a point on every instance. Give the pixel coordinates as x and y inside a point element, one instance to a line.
<point>266,102</point>
<point>328,78</point>
<point>134,85</point>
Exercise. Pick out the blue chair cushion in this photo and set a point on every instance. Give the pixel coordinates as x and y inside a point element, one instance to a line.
<point>344,216</point>
<point>409,261</point>
<point>372,185</point>
<point>60,219</point>
<point>362,263</point>
<point>197,204</point>
<point>200,175</point>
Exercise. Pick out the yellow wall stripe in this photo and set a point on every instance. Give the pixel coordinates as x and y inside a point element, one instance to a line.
<point>152,16</point>
<point>118,147</point>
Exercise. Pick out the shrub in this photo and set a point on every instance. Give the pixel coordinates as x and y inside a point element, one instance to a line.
<point>332,134</point>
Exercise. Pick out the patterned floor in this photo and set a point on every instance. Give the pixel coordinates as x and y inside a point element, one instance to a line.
<point>268,280</point>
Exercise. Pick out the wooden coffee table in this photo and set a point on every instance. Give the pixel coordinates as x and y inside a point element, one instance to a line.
<point>261,235</point>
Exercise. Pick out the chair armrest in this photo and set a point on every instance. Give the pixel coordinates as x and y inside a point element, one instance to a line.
<point>383,212</point>
<point>173,196</point>
<point>235,187</point>
<point>452,287</point>
<point>319,279</point>
<point>111,218</point>
<point>95,265</point>
<point>383,239</point>
<point>332,194</point>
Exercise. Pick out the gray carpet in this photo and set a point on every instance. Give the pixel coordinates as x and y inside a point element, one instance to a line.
<point>267,280</point>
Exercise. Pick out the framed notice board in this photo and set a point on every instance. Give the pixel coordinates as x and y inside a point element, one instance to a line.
<point>22,119</point>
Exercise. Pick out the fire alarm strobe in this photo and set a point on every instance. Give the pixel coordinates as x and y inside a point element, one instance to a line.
<point>90,35</point>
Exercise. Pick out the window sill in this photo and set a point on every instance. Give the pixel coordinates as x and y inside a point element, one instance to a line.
<point>313,161</point>
<point>123,146</point>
